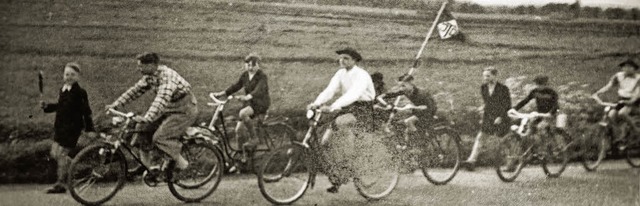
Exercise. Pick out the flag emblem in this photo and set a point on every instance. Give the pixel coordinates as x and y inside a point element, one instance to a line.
<point>447,29</point>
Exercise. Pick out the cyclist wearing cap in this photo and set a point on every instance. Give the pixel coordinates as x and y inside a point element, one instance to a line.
<point>422,99</point>
<point>355,105</point>
<point>256,99</point>
<point>628,83</point>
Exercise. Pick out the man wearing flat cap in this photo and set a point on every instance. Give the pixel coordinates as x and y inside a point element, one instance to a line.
<point>628,83</point>
<point>354,107</point>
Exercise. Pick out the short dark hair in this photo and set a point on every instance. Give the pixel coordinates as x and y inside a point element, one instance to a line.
<point>73,65</point>
<point>405,78</point>
<point>629,62</point>
<point>351,52</point>
<point>148,58</point>
<point>541,80</point>
<point>253,59</point>
<point>491,70</point>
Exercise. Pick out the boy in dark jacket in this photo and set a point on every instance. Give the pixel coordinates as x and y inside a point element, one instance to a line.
<point>72,115</point>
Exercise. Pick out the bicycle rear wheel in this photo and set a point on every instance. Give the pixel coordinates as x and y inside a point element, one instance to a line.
<point>441,157</point>
<point>510,157</point>
<point>557,158</point>
<point>632,154</point>
<point>278,135</point>
<point>96,174</point>
<point>377,172</point>
<point>594,147</point>
<point>285,174</point>
<point>203,175</point>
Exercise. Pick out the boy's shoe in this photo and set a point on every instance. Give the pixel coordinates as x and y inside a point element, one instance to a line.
<point>56,189</point>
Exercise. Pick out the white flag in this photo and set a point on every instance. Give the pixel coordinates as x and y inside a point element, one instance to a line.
<point>447,29</point>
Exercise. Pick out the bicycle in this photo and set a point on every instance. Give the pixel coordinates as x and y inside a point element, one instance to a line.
<point>288,172</point>
<point>438,146</point>
<point>604,135</point>
<point>518,147</point>
<point>266,128</point>
<point>99,170</point>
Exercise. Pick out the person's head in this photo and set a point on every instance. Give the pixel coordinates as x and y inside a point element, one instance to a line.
<point>404,84</point>
<point>252,63</point>
<point>378,81</point>
<point>148,62</point>
<point>71,73</point>
<point>628,66</point>
<point>489,75</point>
<point>541,80</point>
<point>348,57</point>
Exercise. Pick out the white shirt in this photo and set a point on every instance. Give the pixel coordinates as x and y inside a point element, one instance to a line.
<point>66,87</point>
<point>354,85</point>
<point>626,85</point>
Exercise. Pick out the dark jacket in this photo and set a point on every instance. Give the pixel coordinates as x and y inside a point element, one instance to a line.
<point>497,104</point>
<point>257,87</point>
<point>546,100</point>
<point>72,115</point>
<point>419,97</point>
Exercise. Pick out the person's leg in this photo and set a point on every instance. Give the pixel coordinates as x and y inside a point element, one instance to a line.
<point>167,136</point>
<point>625,115</point>
<point>477,145</point>
<point>410,128</point>
<point>144,140</point>
<point>340,148</point>
<point>61,155</point>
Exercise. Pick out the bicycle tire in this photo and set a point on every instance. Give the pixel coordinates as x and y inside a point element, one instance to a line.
<point>212,159</point>
<point>558,153</point>
<point>285,162</point>
<point>450,168</point>
<point>594,142</point>
<point>106,154</point>
<point>509,149</point>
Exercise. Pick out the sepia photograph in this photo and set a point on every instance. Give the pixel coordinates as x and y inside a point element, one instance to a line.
<point>320,102</point>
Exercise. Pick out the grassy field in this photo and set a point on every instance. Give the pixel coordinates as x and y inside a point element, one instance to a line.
<point>206,40</point>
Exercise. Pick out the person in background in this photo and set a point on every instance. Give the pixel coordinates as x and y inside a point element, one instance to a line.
<point>495,122</point>
<point>256,98</point>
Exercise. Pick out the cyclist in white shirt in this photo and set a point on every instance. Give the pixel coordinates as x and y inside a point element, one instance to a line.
<point>628,83</point>
<point>354,106</point>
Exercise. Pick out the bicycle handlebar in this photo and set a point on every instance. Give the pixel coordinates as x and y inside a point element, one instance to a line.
<point>119,113</point>
<point>519,115</point>
<point>217,101</point>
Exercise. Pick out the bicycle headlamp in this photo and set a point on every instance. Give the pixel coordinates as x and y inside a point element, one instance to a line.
<point>310,114</point>
<point>116,120</point>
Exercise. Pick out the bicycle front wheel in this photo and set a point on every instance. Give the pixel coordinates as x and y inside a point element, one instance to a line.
<point>632,154</point>
<point>377,172</point>
<point>96,174</point>
<point>557,158</point>
<point>285,175</point>
<point>594,147</point>
<point>509,158</point>
<point>441,156</point>
<point>203,175</point>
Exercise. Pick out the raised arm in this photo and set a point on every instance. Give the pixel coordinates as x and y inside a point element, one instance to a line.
<point>330,91</point>
<point>133,93</point>
<point>236,86</point>
<point>525,101</point>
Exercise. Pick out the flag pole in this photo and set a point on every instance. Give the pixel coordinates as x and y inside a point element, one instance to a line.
<point>426,39</point>
<point>415,62</point>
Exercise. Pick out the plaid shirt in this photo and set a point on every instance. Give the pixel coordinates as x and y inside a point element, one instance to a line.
<point>168,85</point>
